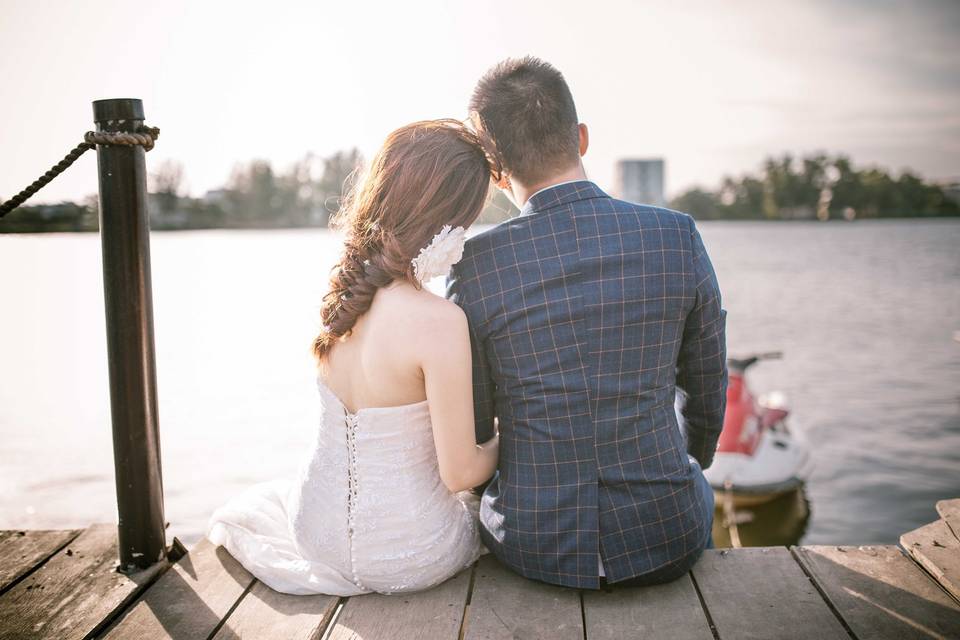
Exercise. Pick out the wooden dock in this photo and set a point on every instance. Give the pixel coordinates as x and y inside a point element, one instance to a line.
<point>62,584</point>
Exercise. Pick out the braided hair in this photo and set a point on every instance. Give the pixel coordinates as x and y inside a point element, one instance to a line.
<point>426,175</point>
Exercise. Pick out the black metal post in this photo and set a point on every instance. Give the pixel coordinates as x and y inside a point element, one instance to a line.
<point>125,238</point>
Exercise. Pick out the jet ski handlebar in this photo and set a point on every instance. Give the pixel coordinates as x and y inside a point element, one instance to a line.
<point>741,364</point>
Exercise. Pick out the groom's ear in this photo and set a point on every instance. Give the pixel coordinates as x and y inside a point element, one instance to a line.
<point>584,139</point>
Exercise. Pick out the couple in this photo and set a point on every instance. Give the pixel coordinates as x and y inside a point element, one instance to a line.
<point>549,372</point>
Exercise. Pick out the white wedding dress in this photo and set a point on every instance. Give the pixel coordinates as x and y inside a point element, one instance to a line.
<point>366,512</point>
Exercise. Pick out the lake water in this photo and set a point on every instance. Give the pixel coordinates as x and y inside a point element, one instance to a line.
<point>865,314</point>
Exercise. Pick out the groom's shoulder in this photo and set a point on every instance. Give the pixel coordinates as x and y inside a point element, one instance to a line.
<point>491,234</point>
<point>484,253</point>
<point>663,216</point>
<point>484,243</point>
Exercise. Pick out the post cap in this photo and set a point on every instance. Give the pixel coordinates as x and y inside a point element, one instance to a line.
<point>117,109</point>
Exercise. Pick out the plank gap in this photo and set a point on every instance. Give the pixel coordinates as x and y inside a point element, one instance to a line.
<point>333,618</point>
<point>823,594</point>
<point>41,562</point>
<point>703,605</point>
<point>466,604</point>
<point>121,610</point>
<point>233,608</point>
<point>933,577</point>
<point>583,615</point>
<point>191,598</point>
<point>934,547</point>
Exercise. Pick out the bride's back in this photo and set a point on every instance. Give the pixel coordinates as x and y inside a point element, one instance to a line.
<point>378,364</point>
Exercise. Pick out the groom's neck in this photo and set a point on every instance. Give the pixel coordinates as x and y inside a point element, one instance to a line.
<point>522,192</point>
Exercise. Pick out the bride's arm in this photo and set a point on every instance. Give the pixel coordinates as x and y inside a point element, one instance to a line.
<point>448,377</point>
<point>484,407</point>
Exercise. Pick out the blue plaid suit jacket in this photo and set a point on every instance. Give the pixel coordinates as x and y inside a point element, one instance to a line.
<point>585,314</point>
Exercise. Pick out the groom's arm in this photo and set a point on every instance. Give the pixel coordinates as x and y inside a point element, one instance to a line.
<point>702,363</point>
<point>483,385</point>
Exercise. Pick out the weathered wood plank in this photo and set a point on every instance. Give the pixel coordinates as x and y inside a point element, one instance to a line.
<point>763,593</point>
<point>505,605</point>
<point>671,611</point>
<point>938,551</point>
<point>21,551</point>
<point>949,510</point>
<point>72,593</point>
<point>880,593</point>
<point>265,613</point>
<point>189,600</point>
<point>435,614</point>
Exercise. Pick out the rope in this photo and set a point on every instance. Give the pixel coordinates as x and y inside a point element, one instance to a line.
<point>143,137</point>
<point>730,514</point>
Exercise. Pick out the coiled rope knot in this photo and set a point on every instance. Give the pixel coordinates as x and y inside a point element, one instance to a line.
<point>144,137</point>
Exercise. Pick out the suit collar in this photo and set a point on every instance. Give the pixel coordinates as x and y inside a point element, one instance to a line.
<point>562,193</point>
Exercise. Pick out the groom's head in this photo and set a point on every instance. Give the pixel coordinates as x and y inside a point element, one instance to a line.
<point>525,106</point>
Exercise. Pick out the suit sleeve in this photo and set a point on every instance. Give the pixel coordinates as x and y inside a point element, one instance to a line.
<point>702,362</point>
<point>483,386</point>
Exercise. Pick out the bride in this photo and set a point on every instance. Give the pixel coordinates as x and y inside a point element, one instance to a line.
<point>381,502</point>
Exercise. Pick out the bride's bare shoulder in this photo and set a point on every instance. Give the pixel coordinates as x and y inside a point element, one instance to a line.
<point>420,314</point>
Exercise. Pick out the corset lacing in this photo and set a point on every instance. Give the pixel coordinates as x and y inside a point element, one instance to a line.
<point>352,421</point>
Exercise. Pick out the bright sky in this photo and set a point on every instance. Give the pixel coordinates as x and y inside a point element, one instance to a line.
<point>712,87</point>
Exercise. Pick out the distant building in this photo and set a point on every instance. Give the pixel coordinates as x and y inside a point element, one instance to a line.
<point>216,196</point>
<point>641,181</point>
<point>165,212</point>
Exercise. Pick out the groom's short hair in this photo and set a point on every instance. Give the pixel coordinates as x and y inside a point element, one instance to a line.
<point>525,106</point>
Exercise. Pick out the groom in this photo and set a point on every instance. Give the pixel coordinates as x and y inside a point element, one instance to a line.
<point>586,313</point>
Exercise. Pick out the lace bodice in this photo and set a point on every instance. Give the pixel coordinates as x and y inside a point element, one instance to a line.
<point>366,511</point>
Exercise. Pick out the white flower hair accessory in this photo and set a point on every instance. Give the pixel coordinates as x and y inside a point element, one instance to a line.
<point>444,251</point>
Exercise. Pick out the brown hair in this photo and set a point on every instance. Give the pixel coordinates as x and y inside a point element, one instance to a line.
<point>426,175</point>
<point>526,107</point>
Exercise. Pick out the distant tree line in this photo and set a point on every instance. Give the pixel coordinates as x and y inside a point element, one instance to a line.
<point>817,186</point>
<point>65,216</point>
<point>255,196</point>
<point>309,192</point>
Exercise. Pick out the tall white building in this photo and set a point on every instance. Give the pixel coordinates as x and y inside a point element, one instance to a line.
<point>641,181</point>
